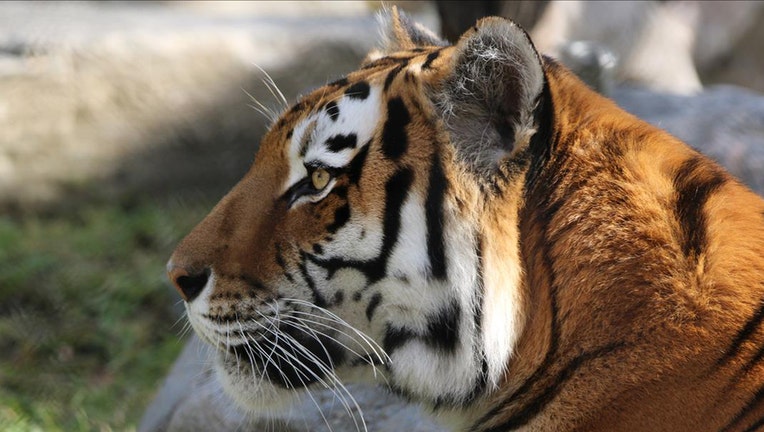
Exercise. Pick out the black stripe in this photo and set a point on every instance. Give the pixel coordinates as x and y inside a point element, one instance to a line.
<point>752,403</point>
<point>542,399</point>
<point>694,184</point>
<point>340,142</point>
<point>281,263</point>
<point>340,191</point>
<point>396,191</point>
<point>756,426</point>
<point>743,335</point>
<point>374,302</point>
<point>394,136</point>
<point>750,364</point>
<point>388,61</point>
<point>443,328</point>
<point>391,76</point>
<point>304,146</point>
<point>333,110</point>
<point>395,338</point>
<point>436,194</point>
<point>359,90</point>
<point>252,283</point>
<point>318,298</point>
<point>338,298</point>
<point>479,291</point>
<point>442,331</point>
<point>341,217</point>
<point>355,167</point>
<point>342,82</point>
<point>430,58</point>
<point>296,107</point>
<point>542,143</point>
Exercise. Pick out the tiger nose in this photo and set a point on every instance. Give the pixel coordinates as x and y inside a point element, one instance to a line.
<point>189,283</point>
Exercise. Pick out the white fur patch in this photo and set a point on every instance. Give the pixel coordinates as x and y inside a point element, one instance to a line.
<point>356,116</point>
<point>502,311</point>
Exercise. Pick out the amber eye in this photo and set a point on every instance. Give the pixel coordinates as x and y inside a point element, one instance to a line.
<point>320,178</point>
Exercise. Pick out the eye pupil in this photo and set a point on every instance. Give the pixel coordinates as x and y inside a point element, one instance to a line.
<point>320,178</point>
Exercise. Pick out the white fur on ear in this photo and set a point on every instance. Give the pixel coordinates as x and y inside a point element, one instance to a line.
<point>488,102</point>
<point>399,32</point>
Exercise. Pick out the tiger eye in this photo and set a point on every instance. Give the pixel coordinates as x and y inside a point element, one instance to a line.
<point>320,178</point>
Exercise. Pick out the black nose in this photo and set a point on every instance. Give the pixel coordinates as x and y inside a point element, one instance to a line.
<point>188,283</point>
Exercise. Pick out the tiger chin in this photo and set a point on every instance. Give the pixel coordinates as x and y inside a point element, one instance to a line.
<point>473,228</point>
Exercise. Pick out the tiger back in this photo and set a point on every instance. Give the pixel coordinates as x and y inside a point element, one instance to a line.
<point>473,228</point>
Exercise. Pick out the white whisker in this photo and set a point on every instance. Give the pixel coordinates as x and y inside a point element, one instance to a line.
<point>262,109</point>
<point>272,86</point>
<point>366,358</point>
<point>329,373</point>
<point>372,344</point>
<point>333,377</point>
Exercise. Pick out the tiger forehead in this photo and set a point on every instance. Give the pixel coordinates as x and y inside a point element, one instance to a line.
<point>334,123</point>
<point>380,69</point>
<point>376,69</point>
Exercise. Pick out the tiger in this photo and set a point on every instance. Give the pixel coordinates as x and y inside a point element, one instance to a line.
<point>471,227</point>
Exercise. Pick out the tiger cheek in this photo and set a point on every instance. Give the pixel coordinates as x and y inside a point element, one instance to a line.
<point>314,223</point>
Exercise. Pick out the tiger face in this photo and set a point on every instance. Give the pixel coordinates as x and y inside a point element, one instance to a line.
<point>473,228</point>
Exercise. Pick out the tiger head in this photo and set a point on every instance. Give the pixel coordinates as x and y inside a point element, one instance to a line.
<point>375,235</point>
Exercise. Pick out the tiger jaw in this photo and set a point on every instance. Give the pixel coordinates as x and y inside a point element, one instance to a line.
<point>287,344</point>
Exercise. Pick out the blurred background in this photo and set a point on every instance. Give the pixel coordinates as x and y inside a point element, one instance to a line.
<point>122,123</point>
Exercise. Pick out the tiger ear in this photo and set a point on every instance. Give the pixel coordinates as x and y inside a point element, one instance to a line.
<point>402,33</point>
<point>488,100</point>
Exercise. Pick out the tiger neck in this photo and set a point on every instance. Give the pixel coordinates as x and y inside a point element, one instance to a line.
<point>565,107</point>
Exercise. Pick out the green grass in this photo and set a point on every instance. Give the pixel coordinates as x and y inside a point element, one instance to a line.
<point>88,324</point>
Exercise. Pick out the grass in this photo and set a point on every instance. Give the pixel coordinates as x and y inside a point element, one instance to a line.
<point>88,324</point>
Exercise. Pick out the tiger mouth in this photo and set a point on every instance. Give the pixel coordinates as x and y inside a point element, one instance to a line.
<point>296,360</point>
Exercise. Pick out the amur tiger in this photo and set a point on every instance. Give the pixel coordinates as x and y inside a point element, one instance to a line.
<point>475,229</point>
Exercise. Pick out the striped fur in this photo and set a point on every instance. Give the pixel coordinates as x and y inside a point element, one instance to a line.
<point>496,241</point>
